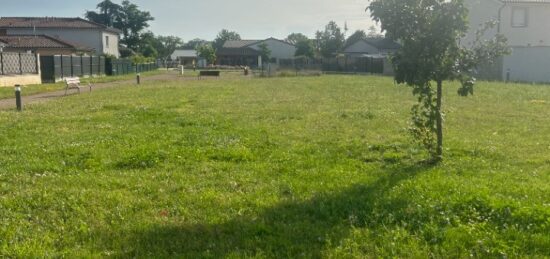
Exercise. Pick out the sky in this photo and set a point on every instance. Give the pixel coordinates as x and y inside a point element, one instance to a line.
<point>190,19</point>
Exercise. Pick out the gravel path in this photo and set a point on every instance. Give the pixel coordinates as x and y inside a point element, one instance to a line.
<point>6,104</point>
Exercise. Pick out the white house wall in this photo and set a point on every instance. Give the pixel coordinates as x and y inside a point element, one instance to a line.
<point>537,31</point>
<point>112,47</point>
<point>528,64</point>
<point>481,12</point>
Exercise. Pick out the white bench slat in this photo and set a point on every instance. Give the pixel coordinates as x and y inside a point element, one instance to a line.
<point>74,83</point>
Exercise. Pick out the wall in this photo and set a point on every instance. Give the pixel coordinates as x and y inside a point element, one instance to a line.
<point>112,48</point>
<point>535,33</point>
<point>10,81</point>
<point>528,64</point>
<point>279,49</point>
<point>481,12</point>
<point>86,37</point>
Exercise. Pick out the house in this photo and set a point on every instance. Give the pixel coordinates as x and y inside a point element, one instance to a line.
<point>40,44</point>
<point>188,57</point>
<point>371,47</point>
<point>525,24</point>
<point>247,52</point>
<point>102,39</point>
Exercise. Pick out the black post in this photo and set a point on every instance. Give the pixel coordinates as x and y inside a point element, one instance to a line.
<point>37,57</point>
<point>138,78</point>
<point>72,67</point>
<point>18,101</point>
<point>20,64</point>
<point>1,63</point>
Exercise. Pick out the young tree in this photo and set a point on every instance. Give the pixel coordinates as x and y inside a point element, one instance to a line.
<point>294,38</point>
<point>224,36</point>
<point>265,52</point>
<point>430,32</point>
<point>207,52</point>
<point>331,40</point>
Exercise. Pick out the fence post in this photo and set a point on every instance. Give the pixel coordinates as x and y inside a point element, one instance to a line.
<point>36,59</point>
<point>20,64</point>
<point>72,68</point>
<point>1,63</point>
<point>18,101</point>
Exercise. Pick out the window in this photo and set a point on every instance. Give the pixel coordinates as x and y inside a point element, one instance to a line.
<point>107,41</point>
<point>519,17</point>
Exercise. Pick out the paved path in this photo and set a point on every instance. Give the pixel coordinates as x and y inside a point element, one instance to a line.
<point>6,104</point>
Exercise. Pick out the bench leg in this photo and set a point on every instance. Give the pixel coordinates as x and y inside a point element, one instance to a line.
<point>66,89</point>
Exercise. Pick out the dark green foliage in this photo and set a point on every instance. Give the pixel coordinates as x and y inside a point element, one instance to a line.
<point>223,36</point>
<point>207,52</point>
<point>331,40</point>
<point>305,49</point>
<point>295,38</point>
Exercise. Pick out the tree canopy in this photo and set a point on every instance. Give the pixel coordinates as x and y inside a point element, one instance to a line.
<point>207,52</point>
<point>331,40</point>
<point>223,36</point>
<point>430,32</point>
<point>126,17</point>
<point>294,38</point>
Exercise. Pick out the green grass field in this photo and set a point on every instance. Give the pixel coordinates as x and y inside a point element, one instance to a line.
<point>282,167</point>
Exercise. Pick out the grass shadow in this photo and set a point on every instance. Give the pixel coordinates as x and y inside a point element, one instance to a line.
<point>290,229</point>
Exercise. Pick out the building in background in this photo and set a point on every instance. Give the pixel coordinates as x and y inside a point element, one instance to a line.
<point>371,47</point>
<point>188,57</point>
<point>101,39</point>
<point>247,52</point>
<point>525,24</point>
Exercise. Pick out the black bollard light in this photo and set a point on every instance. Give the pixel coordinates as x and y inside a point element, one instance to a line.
<point>18,101</point>
<point>138,78</point>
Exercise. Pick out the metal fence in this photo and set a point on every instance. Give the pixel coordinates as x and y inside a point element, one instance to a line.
<point>341,64</point>
<point>55,68</point>
<point>125,66</point>
<point>18,63</point>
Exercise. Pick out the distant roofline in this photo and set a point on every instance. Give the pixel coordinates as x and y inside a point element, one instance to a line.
<point>98,25</point>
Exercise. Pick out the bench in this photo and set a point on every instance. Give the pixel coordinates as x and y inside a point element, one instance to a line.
<point>215,73</point>
<point>74,83</point>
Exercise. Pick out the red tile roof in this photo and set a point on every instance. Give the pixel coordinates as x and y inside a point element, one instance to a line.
<point>52,22</point>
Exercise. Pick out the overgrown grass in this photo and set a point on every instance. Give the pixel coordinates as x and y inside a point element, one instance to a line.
<point>8,92</point>
<point>282,167</point>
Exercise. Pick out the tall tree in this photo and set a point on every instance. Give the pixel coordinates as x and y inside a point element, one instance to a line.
<point>109,14</point>
<point>126,17</point>
<point>224,36</point>
<point>355,37</point>
<point>167,45</point>
<point>133,22</point>
<point>194,43</point>
<point>430,32</point>
<point>331,40</point>
<point>294,38</point>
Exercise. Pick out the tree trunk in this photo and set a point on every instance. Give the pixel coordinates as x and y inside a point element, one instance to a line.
<point>439,122</point>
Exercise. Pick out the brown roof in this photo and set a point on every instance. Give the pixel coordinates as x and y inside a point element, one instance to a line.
<point>52,22</point>
<point>38,41</point>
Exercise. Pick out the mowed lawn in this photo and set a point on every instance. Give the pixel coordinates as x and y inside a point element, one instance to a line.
<point>283,167</point>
